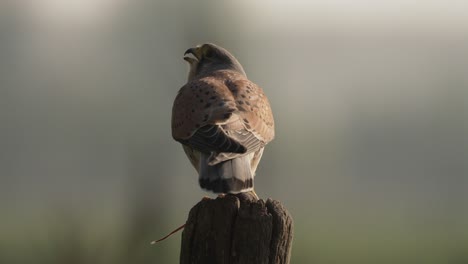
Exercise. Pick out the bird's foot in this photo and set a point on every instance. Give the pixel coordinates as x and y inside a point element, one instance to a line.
<point>254,194</point>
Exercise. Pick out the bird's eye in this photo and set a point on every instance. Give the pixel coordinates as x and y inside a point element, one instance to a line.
<point>209,53</point>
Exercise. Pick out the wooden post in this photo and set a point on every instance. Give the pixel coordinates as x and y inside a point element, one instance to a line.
<point>237,229</point>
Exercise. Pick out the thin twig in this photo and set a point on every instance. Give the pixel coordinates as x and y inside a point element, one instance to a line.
<point>171,233</point>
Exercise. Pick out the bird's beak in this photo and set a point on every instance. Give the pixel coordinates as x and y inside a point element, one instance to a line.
<point>192,55</point>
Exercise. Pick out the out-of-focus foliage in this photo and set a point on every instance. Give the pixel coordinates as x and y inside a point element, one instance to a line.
<point>371,107</point>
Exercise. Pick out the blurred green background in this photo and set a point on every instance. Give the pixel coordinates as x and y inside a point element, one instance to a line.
<point>371,107</point>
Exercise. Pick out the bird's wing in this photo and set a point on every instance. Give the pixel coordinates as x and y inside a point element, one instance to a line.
<point>222,117</point>
<point>200,103</point>
<point>254,109</point>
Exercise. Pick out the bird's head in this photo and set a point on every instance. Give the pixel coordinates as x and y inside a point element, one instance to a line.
<point>208,57</point>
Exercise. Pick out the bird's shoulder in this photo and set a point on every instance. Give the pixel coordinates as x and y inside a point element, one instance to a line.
<point>253,107</point>
<point>202,101</point>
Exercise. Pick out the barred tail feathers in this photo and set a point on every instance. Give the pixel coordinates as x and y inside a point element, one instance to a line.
<point>230,176</point>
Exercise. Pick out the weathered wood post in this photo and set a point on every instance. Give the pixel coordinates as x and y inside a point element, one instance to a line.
<point>237,229</point>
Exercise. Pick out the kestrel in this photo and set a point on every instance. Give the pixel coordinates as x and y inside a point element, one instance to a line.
<point>222,119</point>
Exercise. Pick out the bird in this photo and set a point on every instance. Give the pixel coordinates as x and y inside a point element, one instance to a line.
<point>222,119</point>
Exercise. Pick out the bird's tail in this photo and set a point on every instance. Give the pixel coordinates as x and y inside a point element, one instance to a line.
<point>230,176</point>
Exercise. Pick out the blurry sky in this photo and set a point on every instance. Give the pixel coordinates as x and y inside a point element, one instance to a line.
<point>371,108</point>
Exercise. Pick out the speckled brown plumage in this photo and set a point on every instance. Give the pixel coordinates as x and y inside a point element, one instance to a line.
<point>220,113</point>
<point>227,100</point>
